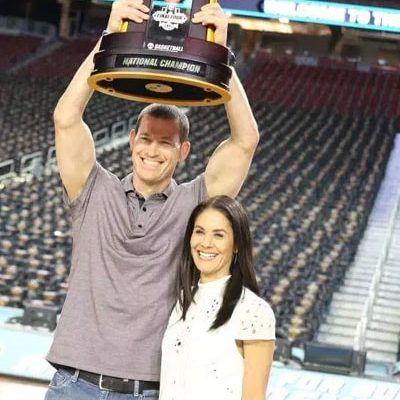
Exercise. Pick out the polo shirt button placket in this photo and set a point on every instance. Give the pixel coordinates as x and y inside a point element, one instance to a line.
<point>140,225</point>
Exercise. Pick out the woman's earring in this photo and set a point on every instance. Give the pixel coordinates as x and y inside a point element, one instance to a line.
<point>235,258</point>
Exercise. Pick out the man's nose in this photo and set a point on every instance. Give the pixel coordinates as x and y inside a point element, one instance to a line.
<point>152,149</point>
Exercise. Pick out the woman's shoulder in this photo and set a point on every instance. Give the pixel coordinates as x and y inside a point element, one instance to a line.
<point>254,317</point>
<point>250,299</point>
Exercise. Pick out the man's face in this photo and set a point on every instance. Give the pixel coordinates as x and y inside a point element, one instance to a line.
<point>156,150</point>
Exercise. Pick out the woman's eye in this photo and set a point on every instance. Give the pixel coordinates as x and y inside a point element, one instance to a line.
<point>219,235</point>
<point>197,232</point>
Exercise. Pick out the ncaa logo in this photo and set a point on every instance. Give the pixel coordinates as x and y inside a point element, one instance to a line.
<point>170,17</point>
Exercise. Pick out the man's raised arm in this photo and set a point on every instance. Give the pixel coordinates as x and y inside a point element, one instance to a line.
<point>229,165</point>
<point>74,143</point>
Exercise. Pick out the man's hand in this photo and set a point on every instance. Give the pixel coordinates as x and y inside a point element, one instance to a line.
<point>212,14</point>
<point>133,10</point>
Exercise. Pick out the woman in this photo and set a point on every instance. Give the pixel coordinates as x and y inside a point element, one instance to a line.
<point>220,337</point>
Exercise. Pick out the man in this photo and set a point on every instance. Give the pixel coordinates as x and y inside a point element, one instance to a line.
<point>127,234</point>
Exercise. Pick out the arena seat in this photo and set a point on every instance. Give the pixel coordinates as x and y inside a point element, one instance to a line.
<point>15,47</point>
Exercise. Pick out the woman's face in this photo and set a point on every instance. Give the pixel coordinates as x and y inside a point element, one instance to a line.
<point>212,245</point>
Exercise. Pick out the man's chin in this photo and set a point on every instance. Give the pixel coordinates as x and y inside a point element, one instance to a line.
<point>150,178</point>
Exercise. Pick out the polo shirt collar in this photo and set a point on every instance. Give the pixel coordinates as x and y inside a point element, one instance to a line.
<point>127,184</point>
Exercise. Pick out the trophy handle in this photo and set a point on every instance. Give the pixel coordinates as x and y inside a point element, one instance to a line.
<point>210,31</point>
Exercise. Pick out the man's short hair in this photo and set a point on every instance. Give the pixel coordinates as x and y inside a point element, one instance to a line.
<point>168,112</point>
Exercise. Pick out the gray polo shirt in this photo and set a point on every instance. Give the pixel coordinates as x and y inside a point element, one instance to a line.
<point>125,256</point>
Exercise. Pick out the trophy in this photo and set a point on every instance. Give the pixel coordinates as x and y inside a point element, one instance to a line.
<point>166,59</point>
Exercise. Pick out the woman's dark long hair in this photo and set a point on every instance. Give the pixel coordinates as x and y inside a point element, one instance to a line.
<point>242,266</point>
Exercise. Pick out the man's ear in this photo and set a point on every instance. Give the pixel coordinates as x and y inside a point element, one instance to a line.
<point>184,150</point>
<point>132,135</point>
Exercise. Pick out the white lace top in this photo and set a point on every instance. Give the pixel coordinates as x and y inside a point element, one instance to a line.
<point>198,364</point>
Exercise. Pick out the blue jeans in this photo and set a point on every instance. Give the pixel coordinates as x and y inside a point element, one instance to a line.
<point>65,386</point>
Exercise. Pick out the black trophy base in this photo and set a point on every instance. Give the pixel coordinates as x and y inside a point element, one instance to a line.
<point>197,77</point>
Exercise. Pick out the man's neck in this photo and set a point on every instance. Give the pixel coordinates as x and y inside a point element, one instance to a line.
<point>147,190</point>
